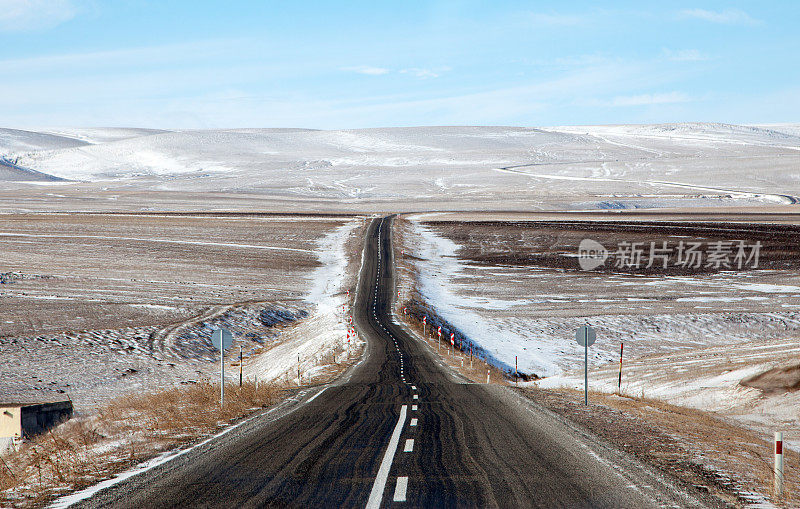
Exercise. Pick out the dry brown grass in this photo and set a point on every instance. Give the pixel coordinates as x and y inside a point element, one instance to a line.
<point>723,449</point>
<point>126,431</point>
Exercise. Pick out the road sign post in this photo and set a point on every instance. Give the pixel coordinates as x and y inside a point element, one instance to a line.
<point>222,340</point>
<point>585,336</point>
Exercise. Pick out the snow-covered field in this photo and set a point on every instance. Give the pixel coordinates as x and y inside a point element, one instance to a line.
<point>95,306</point>
<point>688,338</point>
<point>459,168</point>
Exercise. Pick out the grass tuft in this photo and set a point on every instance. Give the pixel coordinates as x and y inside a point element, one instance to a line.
<point>126,431</point>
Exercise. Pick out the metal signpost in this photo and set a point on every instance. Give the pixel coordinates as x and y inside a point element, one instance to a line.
<point>585,336</point>
<point>222,339</point>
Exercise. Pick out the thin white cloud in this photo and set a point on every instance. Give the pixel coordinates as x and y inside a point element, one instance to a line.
<point>424,73</point>
<point>684,55</point>
<point>417,72</point>
<point>724,17</point>
<point>32,15</point>
<point>368,70</point>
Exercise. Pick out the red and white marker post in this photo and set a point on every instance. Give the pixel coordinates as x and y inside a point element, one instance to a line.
<point>439,332</point>
<point>778,464</point>
<point>424,320</point>
<point>453,341</point>
<point>619,383</point>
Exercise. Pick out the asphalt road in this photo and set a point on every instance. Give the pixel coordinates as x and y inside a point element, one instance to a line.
<point>474,445</point>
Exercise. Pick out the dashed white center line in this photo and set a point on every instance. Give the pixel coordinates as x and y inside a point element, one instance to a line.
<point>400,489</point>
<point>409,447</point>
<point>378,486</point>
<point>413,408</point>
<point>416,396</point>
<point>414,387</point>
<point>413,422</point>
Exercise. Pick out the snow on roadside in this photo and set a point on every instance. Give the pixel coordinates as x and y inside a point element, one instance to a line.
<point>164,457</point>
<point>324,332</point>
<point>440,266</point>
<point>706,379</point>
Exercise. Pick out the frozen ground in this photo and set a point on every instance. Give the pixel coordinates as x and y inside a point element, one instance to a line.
<point>455,168</point>
<point>97,305</point>
<point>515,288</point>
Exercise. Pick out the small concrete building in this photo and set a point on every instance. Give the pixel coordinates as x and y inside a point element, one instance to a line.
<point>26,420</point>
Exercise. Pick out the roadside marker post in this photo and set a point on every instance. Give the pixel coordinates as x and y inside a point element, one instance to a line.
<point>240,365</point>
<point>516,372</point>
<point>222,340</point>
<point>619,383</point>
<point>778,488</point>
<point>585,336</point>
<point>424,319</point>
<point>439,332</point>
<point>487,375</point>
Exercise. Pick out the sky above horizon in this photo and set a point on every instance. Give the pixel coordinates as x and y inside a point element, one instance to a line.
<point>201,64</point>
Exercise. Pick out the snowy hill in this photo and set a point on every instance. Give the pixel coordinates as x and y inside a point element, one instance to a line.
<point>585,167</point>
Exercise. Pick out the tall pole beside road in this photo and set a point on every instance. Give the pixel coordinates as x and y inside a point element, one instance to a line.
<point>585,336</point>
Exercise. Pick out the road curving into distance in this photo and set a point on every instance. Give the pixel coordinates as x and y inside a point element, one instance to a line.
<point>400,431</point>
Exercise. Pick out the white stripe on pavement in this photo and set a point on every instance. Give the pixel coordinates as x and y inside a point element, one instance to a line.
<point>409,445</point>
<point>414,421</point>
<point>379,485</point>
<point>312,398</point>
<point>414,408</point>
<point>400,489</point>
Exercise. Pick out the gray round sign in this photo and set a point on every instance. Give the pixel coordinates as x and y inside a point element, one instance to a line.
<point>585,336</point>
<point>222,339</point>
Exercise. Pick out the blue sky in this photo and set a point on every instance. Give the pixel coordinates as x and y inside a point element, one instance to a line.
<point>196,64</point>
